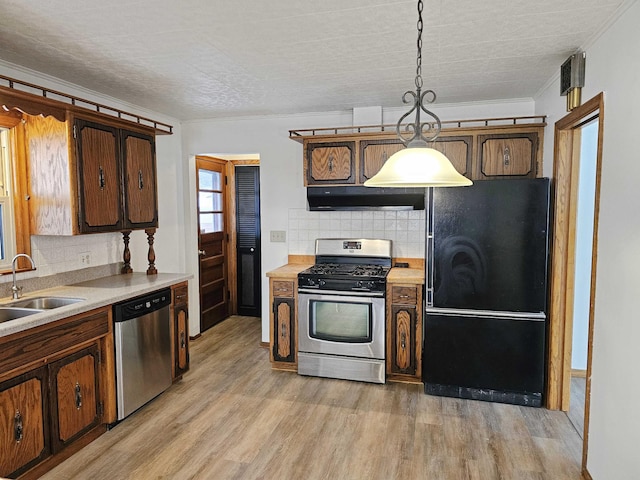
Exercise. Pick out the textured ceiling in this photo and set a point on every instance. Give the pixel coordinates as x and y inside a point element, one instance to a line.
<point>196,59</point>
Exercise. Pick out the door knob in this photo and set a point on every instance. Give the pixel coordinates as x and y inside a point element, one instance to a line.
<point>202,252</point>
<point>252,249</point>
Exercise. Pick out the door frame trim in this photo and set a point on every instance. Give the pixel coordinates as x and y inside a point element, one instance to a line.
<point>566,168</point>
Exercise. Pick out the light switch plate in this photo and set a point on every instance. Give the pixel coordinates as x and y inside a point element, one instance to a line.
<point>278,236</point>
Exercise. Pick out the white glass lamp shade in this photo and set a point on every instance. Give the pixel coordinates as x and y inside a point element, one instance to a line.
<point>418,167</point>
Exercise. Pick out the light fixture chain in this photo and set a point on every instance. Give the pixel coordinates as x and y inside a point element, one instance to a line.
<point>419,44</point>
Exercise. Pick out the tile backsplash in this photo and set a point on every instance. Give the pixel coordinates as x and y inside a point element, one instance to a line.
<point>58,254</point>
<point>405,228</point>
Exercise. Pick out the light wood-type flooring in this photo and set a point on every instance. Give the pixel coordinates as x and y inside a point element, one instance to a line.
<point>232,417</point>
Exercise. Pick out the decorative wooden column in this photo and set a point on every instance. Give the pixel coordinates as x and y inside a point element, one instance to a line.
<point>126,256</point>
<point>152,254</point>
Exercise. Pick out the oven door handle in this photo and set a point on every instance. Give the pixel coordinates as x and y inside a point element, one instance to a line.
<point>345,293</point>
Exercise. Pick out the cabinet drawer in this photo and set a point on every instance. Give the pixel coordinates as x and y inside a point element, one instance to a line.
<point>405,295</point>
<point>181,294</point>
<point>282,289</point>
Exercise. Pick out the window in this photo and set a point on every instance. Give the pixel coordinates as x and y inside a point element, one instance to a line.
<point>7,223</point>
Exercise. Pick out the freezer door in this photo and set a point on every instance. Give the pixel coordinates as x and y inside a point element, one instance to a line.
<point>485,356</point>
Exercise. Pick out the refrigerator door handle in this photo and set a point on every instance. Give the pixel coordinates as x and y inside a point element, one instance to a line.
<point>534,316</point>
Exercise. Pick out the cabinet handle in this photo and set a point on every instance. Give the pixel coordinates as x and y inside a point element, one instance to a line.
<point>506,156</point>
<point>101,182</point>
<point>202,252</point>
<point>18,429</point>
<point>183,342</point>
<point>404,296</point>
<point>180,297</point>
<point>331,163</point>
<point>283,331</point>
<point>140,180</point>
<point>403,340</point>
<point>78,396</point>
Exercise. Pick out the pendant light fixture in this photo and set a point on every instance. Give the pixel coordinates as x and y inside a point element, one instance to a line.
<point>417,165</point>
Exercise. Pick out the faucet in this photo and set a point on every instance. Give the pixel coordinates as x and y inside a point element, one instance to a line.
<point>15,289</point>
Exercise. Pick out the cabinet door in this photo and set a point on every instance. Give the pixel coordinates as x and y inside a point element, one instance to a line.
<point>512,155</point>
<point>403,339</point>
<point>284,335</point>
<point>98,177</point>
<point>458,151</point>
<point>330,163</point>
<point>75,396</point>
<point>373,154</point>
<point>141,207</point>
<point>23,423</point>
<point>181,319</point>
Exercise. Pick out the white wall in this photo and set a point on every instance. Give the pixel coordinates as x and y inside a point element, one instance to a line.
<point>60,254</point>
<point>613,66</point>
<point>281,178</point>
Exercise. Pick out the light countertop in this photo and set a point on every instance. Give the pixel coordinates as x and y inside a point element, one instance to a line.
<point>96,293</point>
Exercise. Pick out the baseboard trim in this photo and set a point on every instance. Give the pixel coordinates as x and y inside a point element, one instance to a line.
<point>264,344</point>
<point>195,337</point>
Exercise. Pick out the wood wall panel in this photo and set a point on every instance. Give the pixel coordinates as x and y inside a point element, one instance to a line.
<point>52,200</point>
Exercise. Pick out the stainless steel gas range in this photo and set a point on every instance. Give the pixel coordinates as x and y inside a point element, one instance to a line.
<point>341,312</point>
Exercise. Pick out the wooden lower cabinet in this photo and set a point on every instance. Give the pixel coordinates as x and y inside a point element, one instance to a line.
<point>180,309</point>
<point>75,396</point>
<point>24,422</point>
<point>283,333</point>
<point>404,333</point>
<point>49,412</point>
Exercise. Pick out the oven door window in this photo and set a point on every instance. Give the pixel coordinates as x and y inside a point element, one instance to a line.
<point>335,321</point>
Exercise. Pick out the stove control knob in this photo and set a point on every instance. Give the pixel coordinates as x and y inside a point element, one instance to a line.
<point>359,284</point>
<point>321,282</point>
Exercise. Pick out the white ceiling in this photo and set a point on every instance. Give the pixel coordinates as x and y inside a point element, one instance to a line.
<point>196,59</point>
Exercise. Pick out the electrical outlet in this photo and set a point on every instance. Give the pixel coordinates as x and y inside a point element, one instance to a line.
<point>278,236</point>
<point>85,258</point>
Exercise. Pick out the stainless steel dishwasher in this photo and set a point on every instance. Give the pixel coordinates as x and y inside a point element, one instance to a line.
<point>143,349</point>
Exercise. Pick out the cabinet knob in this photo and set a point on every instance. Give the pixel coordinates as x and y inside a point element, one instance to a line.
<point>18,429</point>
<point>78,396</point>
<point>101,182</point>
<point>202,252</point>
<point>506,156</point>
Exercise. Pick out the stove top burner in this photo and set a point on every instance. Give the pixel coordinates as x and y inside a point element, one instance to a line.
<point>340,270</point>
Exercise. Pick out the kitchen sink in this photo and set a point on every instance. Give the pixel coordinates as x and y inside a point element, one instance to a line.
<point>11,313</point>
<point>45,303</point>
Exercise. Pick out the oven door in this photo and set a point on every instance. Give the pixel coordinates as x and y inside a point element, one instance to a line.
<point>341,323</point>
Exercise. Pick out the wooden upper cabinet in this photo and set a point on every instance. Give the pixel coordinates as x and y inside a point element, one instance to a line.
<point>97,150</point>
<point>510,155</point>
<point>23,423</point>
<point>374,153</point>
<point>74,388</point>
<point>330,163</point>
<point>87,177</point>
<point>141,205</point>
<point>458,151</point>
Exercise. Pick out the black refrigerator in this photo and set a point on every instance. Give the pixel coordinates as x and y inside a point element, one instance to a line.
<point>487,291</point>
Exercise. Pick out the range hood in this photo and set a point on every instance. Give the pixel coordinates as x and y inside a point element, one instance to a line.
<point>364,198</point>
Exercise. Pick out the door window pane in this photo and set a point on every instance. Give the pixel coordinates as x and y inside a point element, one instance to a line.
<point>208,180</point>
<point>209,201</point>
<point>211,222</point>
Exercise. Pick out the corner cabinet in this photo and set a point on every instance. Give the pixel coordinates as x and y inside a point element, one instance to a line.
<point>283,333</point>
<point>404,332</point>
<point>49,412</point>
<point>88,176</point>
<point>180,315</point>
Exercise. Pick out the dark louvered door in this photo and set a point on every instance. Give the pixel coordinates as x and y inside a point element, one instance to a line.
<point>248,235</point>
